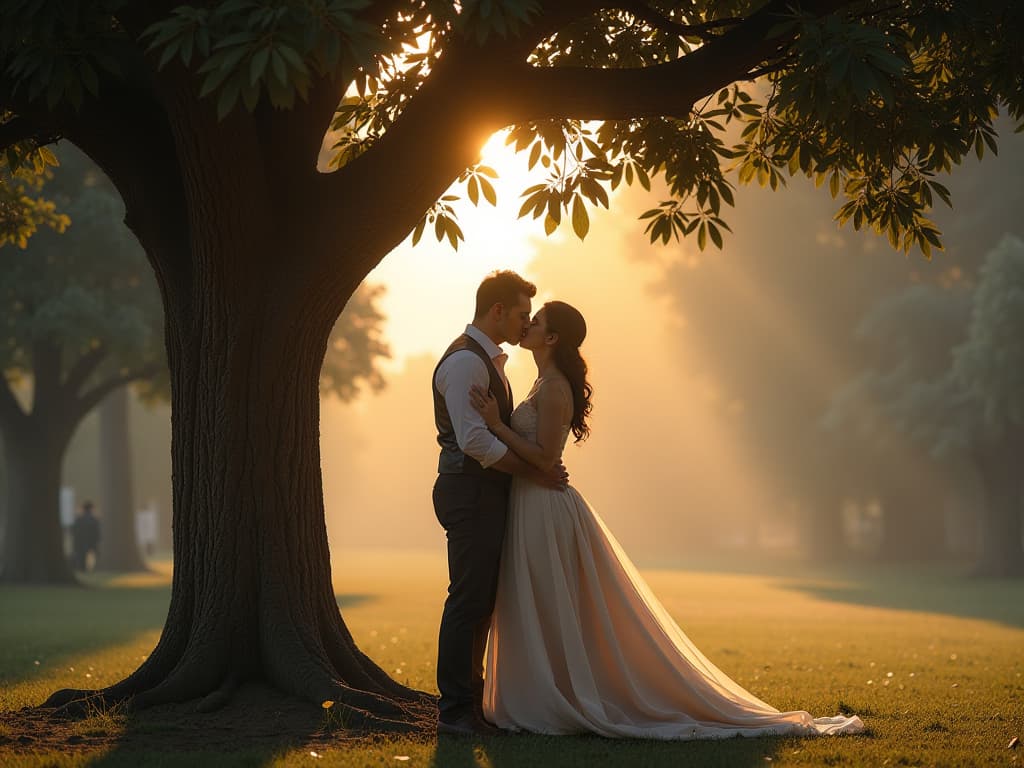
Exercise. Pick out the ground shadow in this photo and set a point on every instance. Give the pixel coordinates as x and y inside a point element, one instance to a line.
<point>352,600</point>
<point>93,617</point>
<point>523,751</point>
<point>940,587</point>
<point>998,601</point>
<point>258,724</point>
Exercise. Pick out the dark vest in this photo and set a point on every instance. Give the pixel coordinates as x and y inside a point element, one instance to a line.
<point>452,460</point>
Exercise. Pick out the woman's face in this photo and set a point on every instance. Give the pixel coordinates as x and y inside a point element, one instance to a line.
<point>536,333</point>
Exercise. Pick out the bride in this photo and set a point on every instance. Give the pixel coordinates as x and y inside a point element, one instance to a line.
<point>579,643</point>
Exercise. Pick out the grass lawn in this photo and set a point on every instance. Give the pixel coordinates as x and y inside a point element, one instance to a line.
<point>933,663</point>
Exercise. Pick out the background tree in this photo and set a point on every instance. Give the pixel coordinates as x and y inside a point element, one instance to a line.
<point>209,119</point>
<point>783,358</point>
<point>976,409</point>
<point>82,319</point>
<point>98,233</point>
<point>119,545</point>
<point>947,383</point>
<point>909,338</point>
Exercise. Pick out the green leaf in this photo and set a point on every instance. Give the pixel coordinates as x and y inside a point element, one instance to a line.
<point>535,151</point>
<point>550,225</point>
<point>488,190</point>
<point>716,236</point>
<point>417,233</point>
<point>258,65</point>
<point>580,219</point>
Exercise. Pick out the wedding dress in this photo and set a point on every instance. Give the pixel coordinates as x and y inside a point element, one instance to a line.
<point>580,644</point>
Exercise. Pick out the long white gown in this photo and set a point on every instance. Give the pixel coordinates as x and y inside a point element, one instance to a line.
<point>580,644</point>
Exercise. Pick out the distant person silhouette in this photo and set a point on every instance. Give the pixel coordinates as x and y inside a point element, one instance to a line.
<point>85,537</point>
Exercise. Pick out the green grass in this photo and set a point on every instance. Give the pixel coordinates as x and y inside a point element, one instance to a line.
<point>934,664</point>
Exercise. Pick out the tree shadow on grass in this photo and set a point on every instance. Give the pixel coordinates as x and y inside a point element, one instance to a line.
<point>353,600</point>
<point>942,587</point>
<point>58,626</point>
<point>257,725</point>
<point>53,627</point>
<point>525,751</point>
<point>999,601</point>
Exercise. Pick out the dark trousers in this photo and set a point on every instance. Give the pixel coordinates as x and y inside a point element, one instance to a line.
<point>472,511</point>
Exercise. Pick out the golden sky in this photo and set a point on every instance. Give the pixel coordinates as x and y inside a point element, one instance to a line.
<point>658,454</point>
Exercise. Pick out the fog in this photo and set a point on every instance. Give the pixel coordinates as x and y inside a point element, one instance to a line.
<point>712,374</point>
<point>711,370</point>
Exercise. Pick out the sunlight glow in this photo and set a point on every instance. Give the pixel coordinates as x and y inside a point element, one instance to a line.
<point>430,287</point>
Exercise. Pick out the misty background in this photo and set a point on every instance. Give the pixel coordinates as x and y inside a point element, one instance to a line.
<point>718,424</point>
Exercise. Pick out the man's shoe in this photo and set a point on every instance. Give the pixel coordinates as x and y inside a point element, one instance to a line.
<point>467,725</point>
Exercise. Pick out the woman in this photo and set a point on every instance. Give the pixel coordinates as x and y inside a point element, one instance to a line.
<point>579,644</point>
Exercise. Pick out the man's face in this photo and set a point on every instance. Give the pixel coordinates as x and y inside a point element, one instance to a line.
<point>514,321</point>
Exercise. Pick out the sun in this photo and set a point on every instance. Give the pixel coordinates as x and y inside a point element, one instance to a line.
<point>430,287</point>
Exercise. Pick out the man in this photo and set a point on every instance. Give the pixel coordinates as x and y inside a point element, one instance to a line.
<point>471,492</point>
<point>85,537</point>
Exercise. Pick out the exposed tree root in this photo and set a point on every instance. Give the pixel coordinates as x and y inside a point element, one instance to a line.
<point>220,697</point>
<point>73,704</point>
<point>293,661</point>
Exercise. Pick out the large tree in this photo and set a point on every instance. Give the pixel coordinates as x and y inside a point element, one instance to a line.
<point>209,118</point>
<point>81,299</point>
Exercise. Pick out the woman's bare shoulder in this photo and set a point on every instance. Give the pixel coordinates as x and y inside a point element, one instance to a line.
<point>555,386</point>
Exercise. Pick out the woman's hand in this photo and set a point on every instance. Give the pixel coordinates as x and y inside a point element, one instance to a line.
<point>485,404</point>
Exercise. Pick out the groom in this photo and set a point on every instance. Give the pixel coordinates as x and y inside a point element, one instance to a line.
<point>471,493</point>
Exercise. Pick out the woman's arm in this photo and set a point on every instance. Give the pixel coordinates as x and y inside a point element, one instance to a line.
<point>554,410</point>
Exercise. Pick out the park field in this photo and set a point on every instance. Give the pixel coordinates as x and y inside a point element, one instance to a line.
<point>932,661</point>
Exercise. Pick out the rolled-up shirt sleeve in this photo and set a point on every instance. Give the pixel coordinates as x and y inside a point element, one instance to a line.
<point>454,377</point>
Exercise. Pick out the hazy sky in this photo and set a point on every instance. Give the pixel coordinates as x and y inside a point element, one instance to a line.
<point>658,458</point>
<point>676,460</point>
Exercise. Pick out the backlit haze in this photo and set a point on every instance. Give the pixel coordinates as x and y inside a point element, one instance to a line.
<point>711,371</point>
<point>663,467</point>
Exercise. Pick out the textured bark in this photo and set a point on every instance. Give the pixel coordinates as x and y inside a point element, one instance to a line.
<point>34,541</point>
<point>119,546</point>
<point>252,596</point>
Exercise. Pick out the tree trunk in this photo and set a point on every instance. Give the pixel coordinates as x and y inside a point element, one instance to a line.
<point>119,547</point>
<point>1002,552</point>
<point>252,596</point>
<point>252,283</point>
<point>821,530</point>
<point>34,542</point>
<point>913,522</point>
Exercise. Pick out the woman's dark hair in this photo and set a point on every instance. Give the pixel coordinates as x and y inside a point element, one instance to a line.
<point>571,328</point>
<point>502,287</point>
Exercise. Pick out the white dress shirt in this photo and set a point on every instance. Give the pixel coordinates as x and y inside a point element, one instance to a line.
<point>454,377</point>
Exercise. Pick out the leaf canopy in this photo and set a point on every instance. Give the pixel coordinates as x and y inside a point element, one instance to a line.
<point>873,97</point>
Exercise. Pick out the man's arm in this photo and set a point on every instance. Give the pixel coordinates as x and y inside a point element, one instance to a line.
<point>513,464</point>
<point>456,375</point>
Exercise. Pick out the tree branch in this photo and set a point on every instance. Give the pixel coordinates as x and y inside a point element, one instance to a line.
<point>670,89</point>
<point>46,364</point>
<point>93,397</point>
<point>437,135</point>
<point>657,20</point>
<point>11,412</point>
<point>82,369</point>
<point>18,129</point>
<point>126,131</point>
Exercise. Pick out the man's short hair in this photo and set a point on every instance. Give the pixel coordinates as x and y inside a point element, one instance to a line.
<point>502,287</point>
